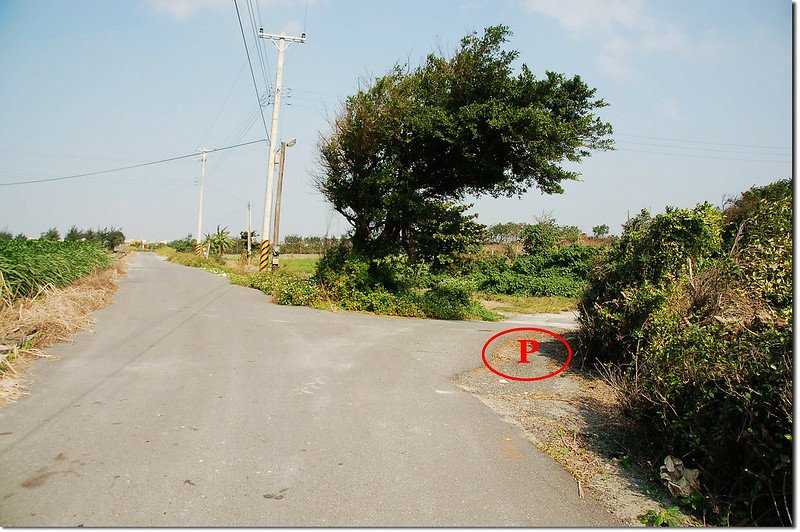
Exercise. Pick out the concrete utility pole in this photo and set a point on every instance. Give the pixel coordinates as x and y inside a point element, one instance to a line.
<point>282,42</point>
<point>198,246</point>
<point>276,235</point>
<point>249,231</point>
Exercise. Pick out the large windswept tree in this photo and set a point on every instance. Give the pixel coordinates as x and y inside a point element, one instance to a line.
<point>405,152</point>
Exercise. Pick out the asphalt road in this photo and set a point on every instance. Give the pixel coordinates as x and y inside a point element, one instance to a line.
<point>195,402</point>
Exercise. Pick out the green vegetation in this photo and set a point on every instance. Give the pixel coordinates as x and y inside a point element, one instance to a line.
<point>302,265</point>
<point>309,244</point>
<point>600,231</point>
<point>108,238</point>
<point>405,151</point>
<point>190,259</point>
<point>554,271</point>
<point>219,243</point>
<point>395,285</point>
<point>669,518</point>
<point>26,266</point>
<point>691,314</point>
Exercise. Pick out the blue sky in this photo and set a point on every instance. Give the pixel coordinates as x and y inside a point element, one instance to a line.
<point>700,100</point>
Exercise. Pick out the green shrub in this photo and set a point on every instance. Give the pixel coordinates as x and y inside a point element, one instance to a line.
<point>638,275</point>
<point>549,272</point>
<point>165,251</point>
<point>692,319</point>
<point>294,291</point>
<point>449,299</point>
<point>541,236</point>
<point>190,259</point>
<point>394,285</point>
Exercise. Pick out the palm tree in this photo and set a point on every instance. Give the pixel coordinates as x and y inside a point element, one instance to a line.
<point>219,242</point>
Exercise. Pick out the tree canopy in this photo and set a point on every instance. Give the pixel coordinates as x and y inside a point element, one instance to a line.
<point>405,151</point>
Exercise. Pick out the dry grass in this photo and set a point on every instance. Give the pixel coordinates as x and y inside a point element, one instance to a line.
<point>29,325</point>
<point>516,304</point>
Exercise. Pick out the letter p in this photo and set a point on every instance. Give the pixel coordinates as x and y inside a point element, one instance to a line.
<point>527,347</point>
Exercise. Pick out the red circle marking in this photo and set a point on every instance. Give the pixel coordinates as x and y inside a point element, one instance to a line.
<point>545,331</point>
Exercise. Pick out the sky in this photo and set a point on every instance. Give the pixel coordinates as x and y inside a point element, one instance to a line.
<point>699,94</point>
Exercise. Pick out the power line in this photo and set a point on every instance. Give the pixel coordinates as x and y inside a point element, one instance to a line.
<point>261,53</point>
<point>223,192</point>
<point>703,142</point>
<point>252,74</point>
<point>228,97</point>
<point>241,131</point>
<point>692,156</point>
<point>693,148</point>
<point>160,161</point>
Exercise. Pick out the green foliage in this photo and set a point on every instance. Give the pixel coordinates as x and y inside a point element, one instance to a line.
<point>406,150</point>
<point>108,238</point>
<point>220,242</point>
<point>505,233</point>
<point>28,265</point>
<point>669,517</point>
<point>190,259</point>
<point>570,234</point>
<point>294,291</point>
<point>692,318</point>
<point>51,234</point>
<point>395,285</point>
<point>5,234</point>
<point>443,232</point>
<point>263,281</point>
<point>552,272</point>
<point>448,299</point>
<point>184,245</point>
<point>764,248</point>
<point>637,277</point>
<point>541,237</point>
<point>600,231</point>
<point>165,251</point>
<point>310,244</point>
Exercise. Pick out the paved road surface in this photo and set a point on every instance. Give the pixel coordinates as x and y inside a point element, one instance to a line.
<point>196,403</point>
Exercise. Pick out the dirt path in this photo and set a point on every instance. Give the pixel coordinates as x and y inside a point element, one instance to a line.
<point>572,417</point>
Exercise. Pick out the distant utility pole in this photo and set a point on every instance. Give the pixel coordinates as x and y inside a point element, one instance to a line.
<point>249,231</point>
<point>275,234</point>
<point>198,246</point>
<point>282,42</point>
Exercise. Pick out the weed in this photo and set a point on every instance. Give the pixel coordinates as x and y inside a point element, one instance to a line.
<point>669,517</point>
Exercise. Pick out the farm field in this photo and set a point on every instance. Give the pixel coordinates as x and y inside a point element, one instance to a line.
<point>27,266</point>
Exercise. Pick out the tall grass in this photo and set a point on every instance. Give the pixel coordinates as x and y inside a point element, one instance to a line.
<point>28,265</point>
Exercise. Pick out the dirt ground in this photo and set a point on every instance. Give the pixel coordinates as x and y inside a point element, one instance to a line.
<point>573,417</point>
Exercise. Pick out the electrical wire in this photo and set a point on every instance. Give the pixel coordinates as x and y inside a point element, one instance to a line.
<point>693,148</point>
<point>257,42</point>
<point>227,194</point>
<point>252,74</point>
<point>266,55</point>
<point>692,156</point>
<point>241,131</point>
<point>702,142</point>
<point>228,97</point>
<point>151,163</point>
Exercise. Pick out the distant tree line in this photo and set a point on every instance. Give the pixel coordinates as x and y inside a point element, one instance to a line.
<point>310,244</point>
<point>543,233</point>
<point>108,237</point>
<point>291,243</point>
